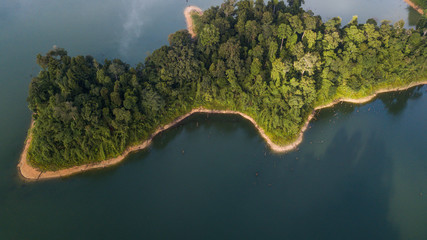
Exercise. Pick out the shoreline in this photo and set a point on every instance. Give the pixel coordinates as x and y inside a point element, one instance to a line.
<point>415,6</point>
<point>27,172</point>
<point>187,13</point>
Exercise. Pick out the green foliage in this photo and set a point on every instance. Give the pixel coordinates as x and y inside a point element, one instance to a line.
<point>421,3</point>
<point>273,62</point>
<point>209,35</point>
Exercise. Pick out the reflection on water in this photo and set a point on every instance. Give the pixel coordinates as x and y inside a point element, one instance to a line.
<point>413,16</point>
<point>133,24</point>
<point>396,102</point>
<point>210,125</point>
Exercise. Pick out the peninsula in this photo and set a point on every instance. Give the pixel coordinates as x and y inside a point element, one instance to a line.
<point>273,64</point>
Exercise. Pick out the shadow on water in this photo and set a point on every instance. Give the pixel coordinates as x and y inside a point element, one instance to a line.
<point>396,102</point>
<point>133,157</point>
<point>225,124</point>
<point>346,191</point>
<point>208,122</point>
<point>413,16</point>
<point>342,108</point>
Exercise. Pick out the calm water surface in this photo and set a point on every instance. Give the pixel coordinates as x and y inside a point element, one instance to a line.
<point>361,172</point>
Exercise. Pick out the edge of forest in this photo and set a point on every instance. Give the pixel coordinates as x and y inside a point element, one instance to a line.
<point>188,19</point>
<point>28,172</point>
<point>415,6</point>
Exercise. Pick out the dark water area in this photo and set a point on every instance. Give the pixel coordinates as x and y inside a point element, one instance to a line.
<point>360,173</point>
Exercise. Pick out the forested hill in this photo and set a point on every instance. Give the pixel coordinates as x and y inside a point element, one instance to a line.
<point>274,62</point>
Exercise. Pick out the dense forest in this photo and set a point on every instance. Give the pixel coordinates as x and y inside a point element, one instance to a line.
<point>275,62</point>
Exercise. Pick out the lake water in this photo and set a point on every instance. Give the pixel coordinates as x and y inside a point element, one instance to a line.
<point>360,173</point>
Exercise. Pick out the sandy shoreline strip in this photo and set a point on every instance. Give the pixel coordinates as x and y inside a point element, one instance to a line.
<point>30,173</point>
<point>187,13</point>
<point>415,6</point>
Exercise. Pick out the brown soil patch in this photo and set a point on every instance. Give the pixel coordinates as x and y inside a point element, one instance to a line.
<point>188,11</point>
<point>415,6</point>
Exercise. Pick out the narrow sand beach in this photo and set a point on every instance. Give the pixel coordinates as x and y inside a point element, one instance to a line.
<point>187,13</point>
<point>30,173</point>
<point>415,6</point>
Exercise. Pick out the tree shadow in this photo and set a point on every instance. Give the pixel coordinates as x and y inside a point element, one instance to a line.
<point>224,124</point>
<point>396,102</point>
<point>413,16</point>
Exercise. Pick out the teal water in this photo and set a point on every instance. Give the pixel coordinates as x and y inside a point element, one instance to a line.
<point>360,173</point>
